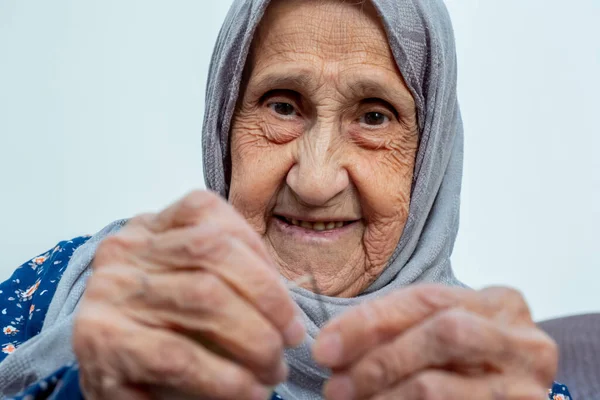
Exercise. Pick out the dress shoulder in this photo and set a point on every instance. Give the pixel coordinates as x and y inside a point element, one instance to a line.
<point>26,295</point>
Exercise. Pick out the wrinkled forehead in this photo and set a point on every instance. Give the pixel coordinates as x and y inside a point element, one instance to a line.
<point>331,30</point>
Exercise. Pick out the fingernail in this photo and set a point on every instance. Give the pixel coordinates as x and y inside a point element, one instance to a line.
<point>261,393</point>
<point>295,332</point>
<point>328,349</point>
<point>339,387</point>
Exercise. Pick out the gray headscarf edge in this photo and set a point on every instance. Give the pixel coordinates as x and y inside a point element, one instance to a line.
<point>421,38</point>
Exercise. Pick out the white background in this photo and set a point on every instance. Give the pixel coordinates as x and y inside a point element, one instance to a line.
<point>101,110</point>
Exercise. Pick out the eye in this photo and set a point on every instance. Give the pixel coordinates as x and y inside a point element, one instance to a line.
<point>282,108</point>
<point>374,118</point>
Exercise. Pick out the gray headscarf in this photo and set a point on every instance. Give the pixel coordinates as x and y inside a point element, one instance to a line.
<point>422,42</point>
<point>420,36</point>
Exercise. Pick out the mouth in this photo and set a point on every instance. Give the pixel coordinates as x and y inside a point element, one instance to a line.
<point>318,226</point>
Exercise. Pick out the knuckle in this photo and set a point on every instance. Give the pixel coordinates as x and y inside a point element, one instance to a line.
<point>379,369</point>
<point>514,297</point>
<point>373,313</point>
<point>171,362</point>
<point>450,328</point>
<point>141,219</point>
<point>207,290</point>
<point>206,241</point>
<point>427,386</point>
<point>92,334</point>
<point>435,297</point>
<point>507,305</point>
<point>225,249</point>
<point>96,287</point>
<point>111,285</point>
<point>114,248</point>
<point>199,200</point>
<point>509,297</point>
<point>109,249</point>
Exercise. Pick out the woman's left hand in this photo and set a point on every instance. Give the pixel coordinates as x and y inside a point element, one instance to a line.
<point>434,342</point>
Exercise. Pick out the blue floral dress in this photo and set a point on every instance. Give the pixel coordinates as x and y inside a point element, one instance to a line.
<point>24,301</point>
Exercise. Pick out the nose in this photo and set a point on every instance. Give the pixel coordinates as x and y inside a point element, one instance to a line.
<point>318,175</point>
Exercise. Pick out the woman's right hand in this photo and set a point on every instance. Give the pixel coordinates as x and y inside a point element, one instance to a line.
<point>166,291</point>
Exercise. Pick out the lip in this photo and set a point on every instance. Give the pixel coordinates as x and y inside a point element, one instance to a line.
<point>315,219</point>
<point>309,235</point>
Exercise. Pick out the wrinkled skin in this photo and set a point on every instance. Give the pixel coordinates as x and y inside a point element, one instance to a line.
<point>325,130</point>
<point>434,342</point>
<point>181,303</point>
<point>188,303</point>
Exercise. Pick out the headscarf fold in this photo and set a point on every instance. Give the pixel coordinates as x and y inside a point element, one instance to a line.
<point>421,38</point>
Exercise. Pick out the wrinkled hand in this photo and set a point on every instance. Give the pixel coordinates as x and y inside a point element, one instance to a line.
<point>187,303</point>
<point>434,342</point>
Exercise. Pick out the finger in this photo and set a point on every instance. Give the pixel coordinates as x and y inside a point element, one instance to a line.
<point>206,247</point>
<point>95,385</point>
<point>506,305</point>
<point>182,365</point>
<point>455,340</point>
<point>200,206</point>
<point>349,336</point>
<point>186,211</point>
<point>140,355</point>
<point>431,385</point>
<point>205,308</point>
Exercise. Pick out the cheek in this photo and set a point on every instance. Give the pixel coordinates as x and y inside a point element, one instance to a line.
<point>384,179</point>
<point>259,168</point>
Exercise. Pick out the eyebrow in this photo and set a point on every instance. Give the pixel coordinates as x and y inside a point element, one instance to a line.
<point>369,87</point>
<point>361,86</point>
<point>296,80</point>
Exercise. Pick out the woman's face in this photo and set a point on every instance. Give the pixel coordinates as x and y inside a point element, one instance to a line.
<point>323,143</point>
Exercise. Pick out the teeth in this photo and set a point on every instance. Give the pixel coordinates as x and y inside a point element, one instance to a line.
<point>306,225</point>
<point>318,226</point>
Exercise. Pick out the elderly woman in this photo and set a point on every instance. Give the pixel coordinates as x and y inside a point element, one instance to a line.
<point>333,130</point>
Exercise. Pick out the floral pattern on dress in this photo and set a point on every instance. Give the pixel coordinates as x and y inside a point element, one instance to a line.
<point>559,392</point>
<point>8,348</point>
<point>26,295</point>
<point>10,330</point>
<point>24,301</point>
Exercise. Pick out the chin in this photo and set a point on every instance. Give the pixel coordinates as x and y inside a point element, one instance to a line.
<point>334,258</point>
